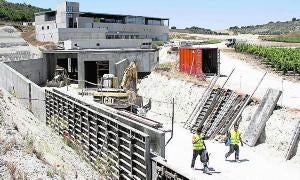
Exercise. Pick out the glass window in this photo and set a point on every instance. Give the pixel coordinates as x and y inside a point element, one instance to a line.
<point>69,9</point>
<point>69,15</point>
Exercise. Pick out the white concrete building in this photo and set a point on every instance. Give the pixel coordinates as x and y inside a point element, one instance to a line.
<point>67,23</point>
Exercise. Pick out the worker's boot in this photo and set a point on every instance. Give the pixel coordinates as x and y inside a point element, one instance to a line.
<point>205,168</point>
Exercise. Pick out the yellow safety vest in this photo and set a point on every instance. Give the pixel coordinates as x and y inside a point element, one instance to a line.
<point>234,137</point>
<point>199,142</point>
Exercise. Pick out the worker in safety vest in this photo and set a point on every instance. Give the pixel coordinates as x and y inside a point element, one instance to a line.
<point>199,148</point>
<point>235,138</point>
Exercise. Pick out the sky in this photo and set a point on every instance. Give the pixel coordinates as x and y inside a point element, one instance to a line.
<point>212,14</point>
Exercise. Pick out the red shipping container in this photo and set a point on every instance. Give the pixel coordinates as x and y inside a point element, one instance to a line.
<point>191,61</point>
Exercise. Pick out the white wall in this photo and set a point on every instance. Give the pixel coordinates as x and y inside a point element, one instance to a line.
<point>62,34</point>
<point>149,31</point>
<point>107,43</point>
<point>39,18</point>
<point>45,35</point>
<point>81,33</point>
<point>61,15</point>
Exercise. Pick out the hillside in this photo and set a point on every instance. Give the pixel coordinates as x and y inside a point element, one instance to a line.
<point>196,30</point>
<point>293,37</point>
<point>271,28</point>
<point>18,12</point>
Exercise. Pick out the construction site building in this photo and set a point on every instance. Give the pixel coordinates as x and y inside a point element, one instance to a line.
<point>90,65</point>
<point>68,23</point>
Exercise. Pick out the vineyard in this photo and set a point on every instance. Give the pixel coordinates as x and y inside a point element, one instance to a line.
<point>283,59</point>
<point>290,38</point>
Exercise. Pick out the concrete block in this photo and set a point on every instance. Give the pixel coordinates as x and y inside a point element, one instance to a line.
<point>294,143</point>
<point>261,116</point>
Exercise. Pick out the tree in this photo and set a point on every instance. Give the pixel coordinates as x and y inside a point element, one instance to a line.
<point>232,28</point>
<point>17,11</point>
<point>294,19</point>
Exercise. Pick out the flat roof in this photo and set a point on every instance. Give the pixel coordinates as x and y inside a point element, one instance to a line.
<point>98,50</point>
<point>120,15</point>
<point>90,14</point>
<point>44,12</point>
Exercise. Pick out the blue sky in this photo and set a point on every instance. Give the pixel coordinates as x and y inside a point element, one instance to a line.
<point>214,14</point>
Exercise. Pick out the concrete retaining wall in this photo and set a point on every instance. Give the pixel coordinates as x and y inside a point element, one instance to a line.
<point>35,69</point>
<point>15,83</point>
<point>107,43</point>
<point>29,94</point>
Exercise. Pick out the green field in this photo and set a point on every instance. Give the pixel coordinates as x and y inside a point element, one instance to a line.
<point>283,59</point>
<point>290,38</point>
<point>209,41</point>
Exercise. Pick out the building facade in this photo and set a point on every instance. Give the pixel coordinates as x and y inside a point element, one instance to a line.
<point>68,23</point>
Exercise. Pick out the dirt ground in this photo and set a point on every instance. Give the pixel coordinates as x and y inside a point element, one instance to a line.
<point>31,150</point>
<point>264,161</point>
<point>249,38</point>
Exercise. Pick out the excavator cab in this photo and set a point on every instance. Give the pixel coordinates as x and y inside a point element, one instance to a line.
<point>60,78</point>
<point>120,97</point>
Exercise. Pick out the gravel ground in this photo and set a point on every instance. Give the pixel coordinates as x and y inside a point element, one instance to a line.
<point>30,149</point>
<point>162,90</point>
<point>264,161</point>
<point>249,38</point>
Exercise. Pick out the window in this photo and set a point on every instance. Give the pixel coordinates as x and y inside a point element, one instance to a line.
<point>47,27</point>
<point>135,20</point>
<point>98,44</point>
<point>69,15</point>
<point>69,9</point>
<point>42,27</point>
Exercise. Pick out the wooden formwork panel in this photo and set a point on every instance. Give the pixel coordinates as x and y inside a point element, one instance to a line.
<point>103,140</point>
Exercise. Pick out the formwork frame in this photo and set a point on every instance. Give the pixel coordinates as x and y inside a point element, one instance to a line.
<point>103,140</point>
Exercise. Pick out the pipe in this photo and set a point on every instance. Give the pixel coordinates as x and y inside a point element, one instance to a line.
<point>228,78</point>
<point>245,104</point>
<point>172,123</point>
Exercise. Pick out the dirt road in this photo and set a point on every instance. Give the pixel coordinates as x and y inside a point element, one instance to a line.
<point>254,163</point>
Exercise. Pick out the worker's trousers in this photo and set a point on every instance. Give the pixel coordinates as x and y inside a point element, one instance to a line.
<point>195,155</point>
<point>232,148</point>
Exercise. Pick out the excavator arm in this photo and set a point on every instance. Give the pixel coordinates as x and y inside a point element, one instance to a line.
<point>129,80</point>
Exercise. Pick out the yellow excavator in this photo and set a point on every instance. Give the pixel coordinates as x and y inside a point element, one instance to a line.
<point>123,96</point>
